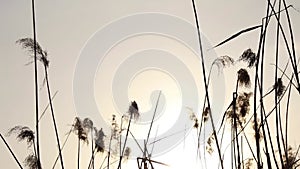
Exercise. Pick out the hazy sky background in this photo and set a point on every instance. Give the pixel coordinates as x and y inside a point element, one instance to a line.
<point>63,28</point>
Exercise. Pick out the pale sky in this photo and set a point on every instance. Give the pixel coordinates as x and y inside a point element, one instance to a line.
<point>64,27</point>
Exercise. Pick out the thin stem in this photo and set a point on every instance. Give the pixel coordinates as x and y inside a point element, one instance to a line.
<point>46,108</point>
<point>233,158</point>
<point>263,123</point>
<point>277,110</point>
<point>267,116</point>
<point>111,163</point>
<point>165,137</point>
<point>261,87</point>
<point>260,49</point>
<point>235,130</point>
<point>284,74</point>
<point>78,153</point>
<point>136,141</point>
<point>53,117</point>
<point>92,159</point>
<point>256,129</point>
<point>103,162</point>
<point>120,139</point>
<point>34,149</point>
<point>249,145</point>
<point>270,138</point>
<point>154,140</point>
<point>69,133</point>
<point>125,141</point>
<point>292,57</point>
<point>202,117</point>
<point>11,152</point>
<point>205,82</point>
<point>204,151</point>
<point>293,45</point>
<point>151,124</point>
<point>36,84</point>
<point>286,122</point>
<point>221,142</point>
<point>242,152</point>
<point>255,122</point>
<point>92,135</point>
<point>108,153</point>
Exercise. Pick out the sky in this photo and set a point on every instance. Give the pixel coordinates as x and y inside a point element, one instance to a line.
<point>76,32</point>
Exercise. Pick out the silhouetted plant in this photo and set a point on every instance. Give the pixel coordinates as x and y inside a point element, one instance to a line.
<point>244,78</point>
<point>81,133</point>
<point>28,44</point>
<point>133,112</point>
<point>79,130</point>
<point>249,57</point>
<point>194,118</point>
<point>279,87</point>
<point>243,104</point>
<point>223,62</point>
<point>127,153</point>
<point>205,114</point>
<point>210,142</point>
<point>206,81</point>
<point>99,140</point>
<point>248,163</point>
<point>115,129</point>
<point>114,135</point>
<point>99,146</point>
<point>23,133</point>
<point>36,83</point>
<point>292,161</point>
<point>238,110</point>
<point>242,109</point>
<point>88,124</point>
<point>205,117</point>
<point>236,114</point>
<point>89,127</point>
<point>257,135</point>
<point>34,47</point>
<point>197,126</point>
<point>31,161</point>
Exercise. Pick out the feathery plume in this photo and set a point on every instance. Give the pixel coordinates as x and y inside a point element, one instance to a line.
<point>249,57</point>
<point>244,78</point>
<point>31,161</point>
<point>279,87</point>
<point>134,110</point>
<point>99,140</point>
<point>28,44</point>
<point>223,62</point>
<point>23,133</point>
